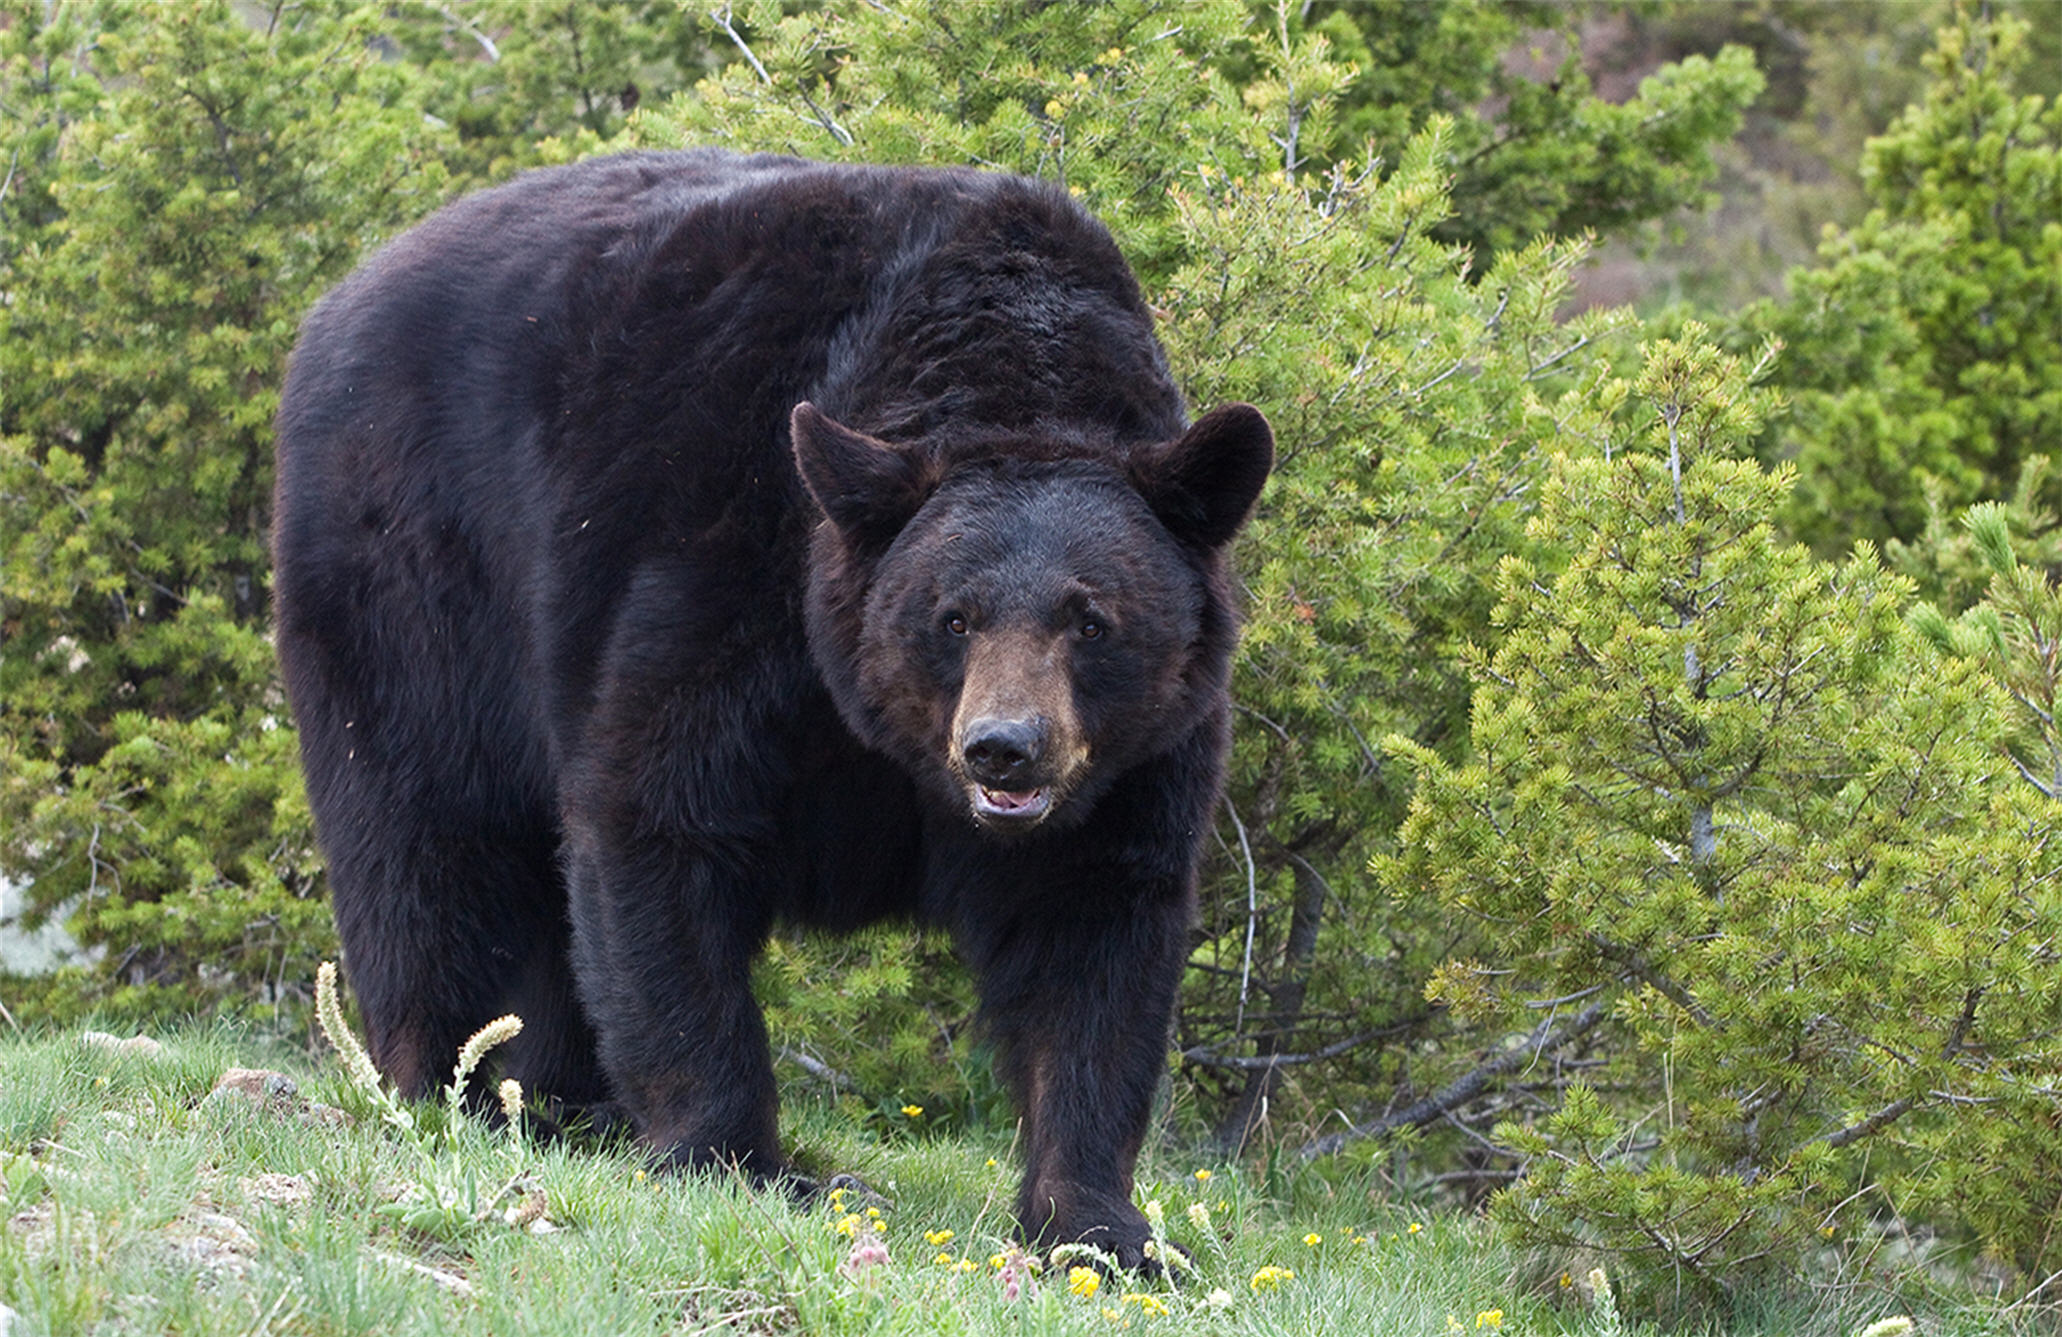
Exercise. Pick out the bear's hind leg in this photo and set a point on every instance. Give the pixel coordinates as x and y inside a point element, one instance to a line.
<point>443,931</point>
<point>554,1058</point>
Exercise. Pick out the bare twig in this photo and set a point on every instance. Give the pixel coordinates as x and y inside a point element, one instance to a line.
<point>1205,1057</point>
<point>817,1068</point>
<point>721,17</point>
<point>1252,915</point>
<point>1898,1108</point>
<point>1459,1092</point>
<point>2028,1298</point>
<point>1539,368</point>
<point>1643,970</point>
<point>493,52</point>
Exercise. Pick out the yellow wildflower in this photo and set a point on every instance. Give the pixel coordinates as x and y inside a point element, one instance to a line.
<point>1054,109</point>
<point>943,1260</point>
<point>1083,1281</point>
<point>848,1226</point>
<point>1271,1278</point>
<point>1490,1318</point>
<point>1150,1305</point>
<point>1415,1227</point>
<point>1313,1239</point>
<point>966,1265</point>
<point>912,1111</point>
<point>937,1239</point>
<point>1202,1176</point>
<point>873,1213</point>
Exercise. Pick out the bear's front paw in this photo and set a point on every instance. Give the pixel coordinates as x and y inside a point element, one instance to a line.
<point>1127,1248</point>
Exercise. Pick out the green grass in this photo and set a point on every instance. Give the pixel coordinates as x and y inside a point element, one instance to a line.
<point>136,1204</point>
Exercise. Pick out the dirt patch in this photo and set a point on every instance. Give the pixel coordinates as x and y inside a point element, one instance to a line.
<point>211,1242</point>
<point>36,1228</point>
<point>278,1190</point>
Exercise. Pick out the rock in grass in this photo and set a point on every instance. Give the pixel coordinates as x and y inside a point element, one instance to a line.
<point>140,1046</point>
<point>274,1093</point>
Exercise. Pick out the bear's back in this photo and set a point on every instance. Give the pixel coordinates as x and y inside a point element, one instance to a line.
<point>700,294</point>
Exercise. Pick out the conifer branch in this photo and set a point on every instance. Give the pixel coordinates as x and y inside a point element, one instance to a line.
<point>1467,1087</point>
<point>1898,1108</point>
<point>1205,1057</point>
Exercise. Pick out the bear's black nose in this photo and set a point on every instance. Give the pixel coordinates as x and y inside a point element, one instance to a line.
<point>1002,754</point>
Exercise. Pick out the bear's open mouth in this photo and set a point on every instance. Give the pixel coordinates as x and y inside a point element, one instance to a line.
<point>1015,805</point>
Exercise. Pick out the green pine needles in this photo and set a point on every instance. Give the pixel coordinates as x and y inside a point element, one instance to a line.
<point>1724,797</point>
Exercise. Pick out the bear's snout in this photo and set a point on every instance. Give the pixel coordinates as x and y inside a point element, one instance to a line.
<point>1015,741</point>
<point>1005,759</point>
<point>1004,754</point>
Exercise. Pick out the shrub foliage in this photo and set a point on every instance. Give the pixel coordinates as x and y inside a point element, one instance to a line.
<point>1725,800</point>
<point>184,184</point>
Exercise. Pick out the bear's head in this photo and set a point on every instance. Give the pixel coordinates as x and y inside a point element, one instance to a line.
<point>1020,624</point>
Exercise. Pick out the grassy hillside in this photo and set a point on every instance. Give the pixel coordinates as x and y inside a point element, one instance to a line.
<point>141,1199</point>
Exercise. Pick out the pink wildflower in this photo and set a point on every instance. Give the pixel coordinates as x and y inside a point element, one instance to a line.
<point>1015,1275</point>
<point>868,1250</point>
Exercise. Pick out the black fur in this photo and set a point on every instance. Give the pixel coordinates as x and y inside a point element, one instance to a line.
<point>679,543</point>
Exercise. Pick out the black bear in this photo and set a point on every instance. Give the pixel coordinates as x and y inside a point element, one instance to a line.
<point>676,544</point>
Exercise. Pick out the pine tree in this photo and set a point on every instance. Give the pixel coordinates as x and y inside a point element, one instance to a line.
<point>1728,808</point>
<point>1926,348</point>
<point>187,183</point>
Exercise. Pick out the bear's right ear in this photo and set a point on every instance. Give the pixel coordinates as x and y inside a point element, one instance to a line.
<point>868,488</point>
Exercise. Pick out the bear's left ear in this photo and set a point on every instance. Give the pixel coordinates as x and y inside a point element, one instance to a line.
<point>1203,483</point>
<point>868,488</point>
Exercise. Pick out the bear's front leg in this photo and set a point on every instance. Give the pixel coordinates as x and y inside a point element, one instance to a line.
<point>673,860</point>
<point>664,964</point>
<point>1080,1007</point>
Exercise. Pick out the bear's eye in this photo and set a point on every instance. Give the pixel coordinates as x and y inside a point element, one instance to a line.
<point>956,624</point>
<point>1090,629</point>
